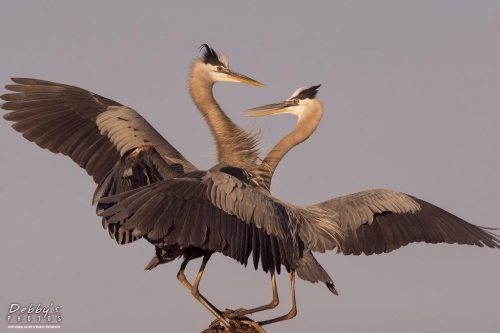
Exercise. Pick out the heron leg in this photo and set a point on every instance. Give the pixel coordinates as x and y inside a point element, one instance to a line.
<point>293,311</point>
<point>196,293</point>
<point>182,277</point>
<point>274,303</point>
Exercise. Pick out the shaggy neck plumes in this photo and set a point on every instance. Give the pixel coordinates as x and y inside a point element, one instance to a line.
<point>235,146</point>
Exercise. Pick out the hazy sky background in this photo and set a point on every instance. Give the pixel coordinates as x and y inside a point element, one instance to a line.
<point>412,103</point>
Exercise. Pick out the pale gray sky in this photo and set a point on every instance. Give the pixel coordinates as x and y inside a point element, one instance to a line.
<point>412,103</point>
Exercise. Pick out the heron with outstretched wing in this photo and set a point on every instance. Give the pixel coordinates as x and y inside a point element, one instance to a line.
<point>219,211</point>
<point>118,147</point>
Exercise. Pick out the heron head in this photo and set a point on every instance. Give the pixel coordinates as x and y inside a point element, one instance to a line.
<point>302,102</point>
<point>217,66</point>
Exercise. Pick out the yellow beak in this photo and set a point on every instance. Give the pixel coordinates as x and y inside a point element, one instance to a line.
<point>276,108</point>
<point>243,79</point>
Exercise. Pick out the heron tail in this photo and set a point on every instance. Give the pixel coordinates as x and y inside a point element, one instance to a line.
<point>310,270</point>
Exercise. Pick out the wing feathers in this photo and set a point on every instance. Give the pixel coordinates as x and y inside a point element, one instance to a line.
<point>397,220</point>
<point>66,119</point>
<point>204,209</point>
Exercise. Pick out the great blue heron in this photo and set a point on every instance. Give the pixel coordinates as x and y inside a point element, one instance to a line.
<point>96,132</point>
<point>374,221</point>
<point>117,146</point>
<point>216,210</point>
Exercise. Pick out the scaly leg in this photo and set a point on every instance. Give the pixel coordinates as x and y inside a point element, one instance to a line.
<point>274,303</point>
<point>293,311</point>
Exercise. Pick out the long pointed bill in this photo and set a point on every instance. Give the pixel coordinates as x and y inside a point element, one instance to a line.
<point>276,108</point>
<point>243,79</point>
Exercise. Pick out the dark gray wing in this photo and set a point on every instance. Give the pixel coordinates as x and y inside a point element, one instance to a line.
<point>138,167</point>
<point>378,221</point>
<point>92,130</point>
<point>211,210</point>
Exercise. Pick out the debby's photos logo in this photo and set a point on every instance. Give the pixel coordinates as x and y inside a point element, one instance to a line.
<point>34,316</point>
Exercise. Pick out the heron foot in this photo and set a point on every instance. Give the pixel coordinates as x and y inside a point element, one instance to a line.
<point>250,326</point>
<point>238,325</point>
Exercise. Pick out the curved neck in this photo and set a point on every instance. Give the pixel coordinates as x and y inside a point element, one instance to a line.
<point>306,125</point>
<point>235,146</point>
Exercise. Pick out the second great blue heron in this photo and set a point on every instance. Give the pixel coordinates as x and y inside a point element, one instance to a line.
<point>217,211</point>
<point>116,145</point>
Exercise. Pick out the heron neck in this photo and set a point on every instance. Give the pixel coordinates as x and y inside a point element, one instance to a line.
<point>234,145</point>
<point>302,131</point>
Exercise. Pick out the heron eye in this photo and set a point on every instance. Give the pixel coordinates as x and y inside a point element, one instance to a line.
<point>219,68</point>
<point>296,101</point>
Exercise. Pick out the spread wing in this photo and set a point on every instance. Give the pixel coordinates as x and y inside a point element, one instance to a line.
<point>378,221</point>
<point>92,130</point>
<point>211,210</point>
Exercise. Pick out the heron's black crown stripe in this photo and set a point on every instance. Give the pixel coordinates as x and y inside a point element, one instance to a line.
<point>210,56</point>
<point>308,93</point>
